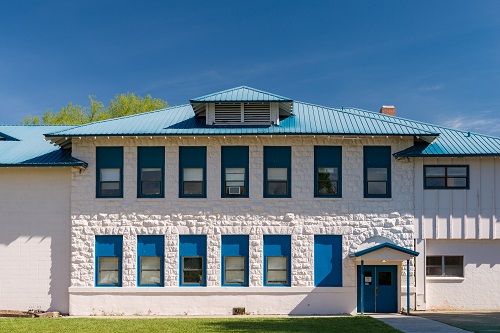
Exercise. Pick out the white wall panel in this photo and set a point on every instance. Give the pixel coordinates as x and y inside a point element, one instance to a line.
<point>35,238</point>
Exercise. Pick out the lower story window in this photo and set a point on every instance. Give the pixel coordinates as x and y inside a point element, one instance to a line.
<point>277,270</point>
<point>446,266</point>
<point>234,270</point>
<point>150,270</point>
<point>109,271</point>
<point>192,270</point>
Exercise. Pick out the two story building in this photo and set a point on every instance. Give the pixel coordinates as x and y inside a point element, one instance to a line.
<point>244,200</point>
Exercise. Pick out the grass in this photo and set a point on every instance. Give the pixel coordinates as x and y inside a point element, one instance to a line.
<point>187,325</point>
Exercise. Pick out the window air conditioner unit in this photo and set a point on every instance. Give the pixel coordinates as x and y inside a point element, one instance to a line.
<point>234,190</point>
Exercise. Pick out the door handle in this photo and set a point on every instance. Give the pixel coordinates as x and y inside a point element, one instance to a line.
<point>376,291</point>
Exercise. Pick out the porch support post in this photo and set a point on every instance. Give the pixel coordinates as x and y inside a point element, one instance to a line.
<point>362,310</point>
<point>408,287</point>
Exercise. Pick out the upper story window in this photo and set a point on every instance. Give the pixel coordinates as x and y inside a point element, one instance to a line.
<point>108,261</point>
<point>377,171</point>
<point>234,165</point>
<point>327,171</point>
<point>192,172</point>
<point>277,172</point>
<point>150,172</point>
<point>109,167</point>
<point>445,266</point>
<point>446,177</point>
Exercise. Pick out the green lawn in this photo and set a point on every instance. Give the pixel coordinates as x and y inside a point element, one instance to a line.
<point>186,325</point>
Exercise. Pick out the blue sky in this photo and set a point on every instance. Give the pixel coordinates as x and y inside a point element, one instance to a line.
<point>436,61</point>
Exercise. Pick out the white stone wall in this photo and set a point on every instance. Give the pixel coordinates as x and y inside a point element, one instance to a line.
<point>301,216</point>
<point>35,238</point>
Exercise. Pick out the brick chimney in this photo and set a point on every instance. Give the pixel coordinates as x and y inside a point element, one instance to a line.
<point>389,110</point>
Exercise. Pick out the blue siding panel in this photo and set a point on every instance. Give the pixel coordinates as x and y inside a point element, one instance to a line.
<point>328,260</point>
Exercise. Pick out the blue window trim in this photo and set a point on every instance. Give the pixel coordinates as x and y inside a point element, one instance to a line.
<point>193,246</point>
<point>377,157</point>
<point>328,260</point>
<point>277,246</point>
<point>234,157</point>
<point>108,158</point>
<point>234,246</point>
<point>108,247</point>
<point>150,246</point>
<point>446,166</point>
<point>192,157</point>
<point>150,157</point>
<point>278,157</point>
<point>327,157</point>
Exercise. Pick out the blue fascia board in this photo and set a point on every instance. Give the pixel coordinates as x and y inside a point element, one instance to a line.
<point>383,246</point>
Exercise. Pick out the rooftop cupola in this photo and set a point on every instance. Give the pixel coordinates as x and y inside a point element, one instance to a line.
<point>242,106</point>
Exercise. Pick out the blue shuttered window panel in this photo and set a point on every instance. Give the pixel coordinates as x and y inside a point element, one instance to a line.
<point>192,260</point>
<point>377,171</point>
<point>328,260</point>
<point>150,172</point>
<point>277,260</point>
<point>328,171</point>
<point>234,260</point>
<point>109,169</point>
<point>192,172</point>
<point>108,261</point>
<point>277,172</point>
<point>234,172</point>
<point>150,259</point>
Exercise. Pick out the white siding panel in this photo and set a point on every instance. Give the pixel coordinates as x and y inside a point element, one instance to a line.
<point>460,214</point>
<point>35,238</point>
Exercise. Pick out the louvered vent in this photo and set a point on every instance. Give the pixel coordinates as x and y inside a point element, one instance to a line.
<point>227,113</point>
<point>242,113</point>
<point>257,113</point>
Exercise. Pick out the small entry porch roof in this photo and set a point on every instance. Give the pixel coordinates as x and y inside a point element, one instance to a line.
<point>384,252</point>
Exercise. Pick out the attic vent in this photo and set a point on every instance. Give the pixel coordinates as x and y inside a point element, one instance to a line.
<point>227,113</point>
<point>257,113</point>
<point>237,113</point>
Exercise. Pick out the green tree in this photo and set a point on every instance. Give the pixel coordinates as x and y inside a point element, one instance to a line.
<point>121,105</point>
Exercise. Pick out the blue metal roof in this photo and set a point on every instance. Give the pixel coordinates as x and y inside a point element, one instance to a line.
<point>385,246</point>
<point>307,119</point>
<point>29,148</point>
<point>451,142</point>
<point>241,94</point>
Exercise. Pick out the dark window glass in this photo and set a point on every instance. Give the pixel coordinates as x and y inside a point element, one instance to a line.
<point>384,278</point>
<point>452,266</point>
<point>446,177</point>
<point>192,271</point>
<point>328,180</point>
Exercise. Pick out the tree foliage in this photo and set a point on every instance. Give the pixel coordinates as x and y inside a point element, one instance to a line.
<point>121,105</point>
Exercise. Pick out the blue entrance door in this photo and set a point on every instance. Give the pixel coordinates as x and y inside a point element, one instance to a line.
<point>380,288</point>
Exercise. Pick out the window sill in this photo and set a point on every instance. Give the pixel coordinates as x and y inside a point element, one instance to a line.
<point>235,199</point>
<point>151,199</point>
<point>328,198</point>
<point>444,278</point>
<point>378,199</point>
